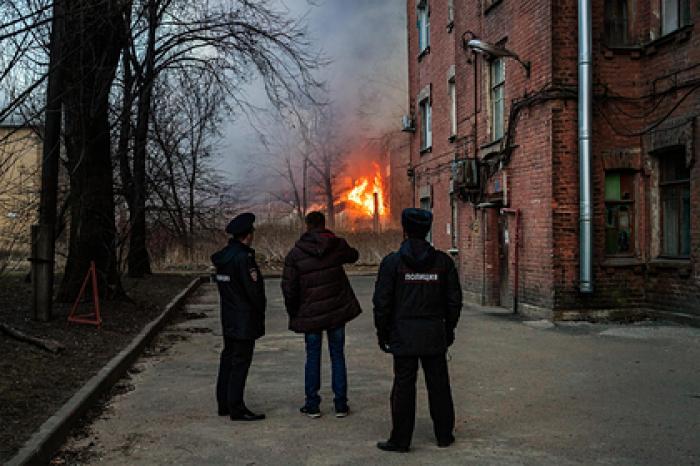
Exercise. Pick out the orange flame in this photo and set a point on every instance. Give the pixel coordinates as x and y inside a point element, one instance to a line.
<point>361,196</point>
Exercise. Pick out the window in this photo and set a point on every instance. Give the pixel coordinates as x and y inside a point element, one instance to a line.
<point>619,213</point>
<point>450,14</point>
<point>426,128</point>
<point>426,204</point>
<point>616,23</point>
<point>452,90</point>
<point>498,80</point>
<point>674,15</point>
<point>423,26</point>
<point>674,188</point>
<point>455,221</point>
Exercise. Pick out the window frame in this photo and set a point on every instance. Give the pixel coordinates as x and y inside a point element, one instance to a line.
<point>682,15</point>
<point>426,203</point>
<point>450,15</point>
<point>426,124</point>
<point>423,24</point>
<point>497,97</point>
<point>452,93</point>
<point>632,211</point>
<point>677,187</point>
<point>454,213</point>
<point>617,25</point>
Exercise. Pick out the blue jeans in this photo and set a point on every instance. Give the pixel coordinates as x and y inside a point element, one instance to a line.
<point>312,373</point>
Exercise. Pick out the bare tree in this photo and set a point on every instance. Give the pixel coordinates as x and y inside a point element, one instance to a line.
<point>230,43</point>
<point>328,156</point>
<point>186,190</point>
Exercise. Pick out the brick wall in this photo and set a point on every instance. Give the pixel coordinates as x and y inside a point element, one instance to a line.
<point>632,94</point>
<point>620,141</point>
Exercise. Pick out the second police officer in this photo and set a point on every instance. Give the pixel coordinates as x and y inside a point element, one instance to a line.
<point>417,303</point>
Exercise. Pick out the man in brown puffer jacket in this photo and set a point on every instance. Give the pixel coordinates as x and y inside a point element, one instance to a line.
<point>318,297</point>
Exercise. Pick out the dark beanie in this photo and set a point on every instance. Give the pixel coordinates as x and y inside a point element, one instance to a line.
<point>416,221</point>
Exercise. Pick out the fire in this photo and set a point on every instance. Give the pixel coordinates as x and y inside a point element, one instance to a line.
<point>361,196</point>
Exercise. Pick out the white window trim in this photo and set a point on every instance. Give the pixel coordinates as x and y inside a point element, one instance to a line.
<point>423,19</point>
<point>426,116</point>
<point>677,16</point>
<point>493,87</point>
<point>424,99</point>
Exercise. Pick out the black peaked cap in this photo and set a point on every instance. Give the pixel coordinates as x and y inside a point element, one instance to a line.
<point>241,224</point>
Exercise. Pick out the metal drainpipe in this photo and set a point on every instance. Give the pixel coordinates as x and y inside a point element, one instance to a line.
<point>516,258</point>
<point>585,90</point>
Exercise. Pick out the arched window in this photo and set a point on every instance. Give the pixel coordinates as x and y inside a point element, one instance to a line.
<point>616,23</point>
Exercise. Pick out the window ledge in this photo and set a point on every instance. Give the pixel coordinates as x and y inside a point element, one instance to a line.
<point>493,5</point>
<point>681,265</point>
<point>682,33</point>
<point>668,262</point>
<point>622,262</point>
<point>427,150</point>
<point>423,53</point>
<point>453,251</point>
<point>491,144</point>
<point>649,48</point>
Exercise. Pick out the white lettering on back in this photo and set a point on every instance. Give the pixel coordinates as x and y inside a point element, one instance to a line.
<point>421,277</point>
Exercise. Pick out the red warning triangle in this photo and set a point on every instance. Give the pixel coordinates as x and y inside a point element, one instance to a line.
<point>93,316</point>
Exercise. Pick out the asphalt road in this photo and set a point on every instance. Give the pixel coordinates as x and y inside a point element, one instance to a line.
<point>525,393</point>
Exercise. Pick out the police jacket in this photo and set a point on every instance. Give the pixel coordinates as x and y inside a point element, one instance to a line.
<point>417,300</point>
<point>241,290</point>
<point>316,290</point>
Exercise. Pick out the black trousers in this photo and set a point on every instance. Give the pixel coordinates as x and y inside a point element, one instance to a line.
<point>233,371</point>
<point>403,397</point>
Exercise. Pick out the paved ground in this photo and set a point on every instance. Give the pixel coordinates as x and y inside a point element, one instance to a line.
<point>525,393</point>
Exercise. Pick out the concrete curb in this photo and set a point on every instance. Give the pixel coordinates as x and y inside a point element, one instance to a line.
<point>43,443</point>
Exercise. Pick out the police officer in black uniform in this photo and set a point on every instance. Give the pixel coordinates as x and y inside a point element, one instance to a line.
<point>243,302</point>
<point>417,303</point>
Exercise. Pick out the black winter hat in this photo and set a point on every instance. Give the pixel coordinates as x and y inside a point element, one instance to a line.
<point>416,221</point>
<point>241,224</point>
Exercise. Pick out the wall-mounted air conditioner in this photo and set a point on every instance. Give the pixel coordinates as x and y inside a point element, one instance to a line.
<point>407,124</point>
<point>466,174</point>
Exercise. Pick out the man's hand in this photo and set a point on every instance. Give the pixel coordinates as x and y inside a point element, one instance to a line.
<point>384,346</point>
<point>383,341</point>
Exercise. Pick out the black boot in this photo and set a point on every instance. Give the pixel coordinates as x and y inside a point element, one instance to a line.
<point>389,446</point>
<point>246,415</point>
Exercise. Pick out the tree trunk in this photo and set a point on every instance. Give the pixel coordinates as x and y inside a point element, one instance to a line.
<point>125,119</point>
<point>138,259</point>
<point>43,267</point>
<point>95,29</point>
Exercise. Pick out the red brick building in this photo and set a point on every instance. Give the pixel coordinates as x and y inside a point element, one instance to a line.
<point>495,151</point>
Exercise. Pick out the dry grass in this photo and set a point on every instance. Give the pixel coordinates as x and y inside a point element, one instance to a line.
<point>272,243</point>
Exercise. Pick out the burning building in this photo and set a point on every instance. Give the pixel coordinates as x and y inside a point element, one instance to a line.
<point>363,203</point>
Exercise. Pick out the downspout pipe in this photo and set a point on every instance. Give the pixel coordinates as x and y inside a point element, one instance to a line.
<point>585,92</point>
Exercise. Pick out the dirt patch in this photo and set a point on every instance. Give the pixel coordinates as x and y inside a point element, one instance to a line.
<point>197,330</point>
<point>34,382</point>
<point>82,445</point>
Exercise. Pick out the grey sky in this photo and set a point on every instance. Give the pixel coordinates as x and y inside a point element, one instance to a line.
<point>366,42</point>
